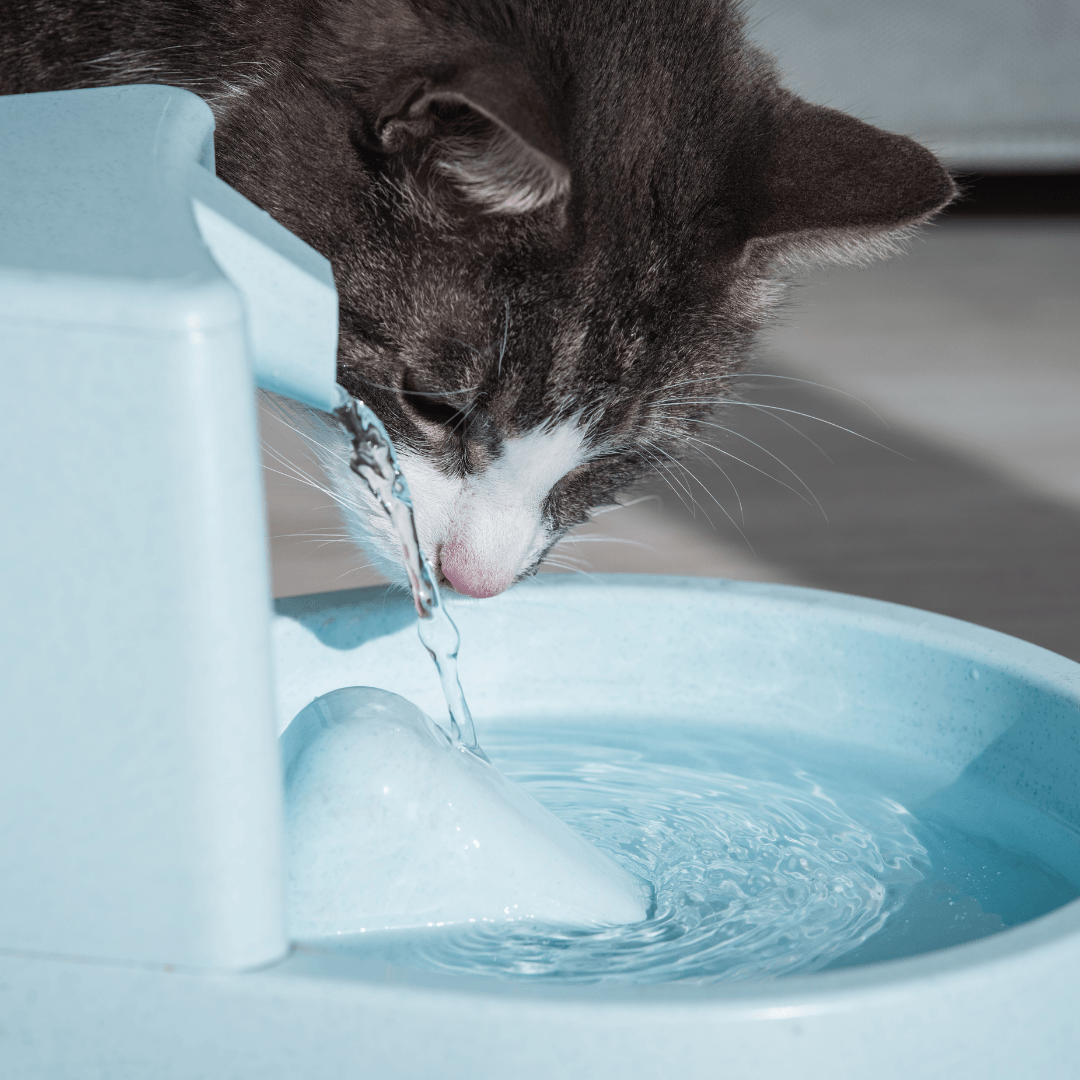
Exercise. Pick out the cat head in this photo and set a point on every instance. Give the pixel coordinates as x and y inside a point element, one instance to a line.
<point>555,227</point>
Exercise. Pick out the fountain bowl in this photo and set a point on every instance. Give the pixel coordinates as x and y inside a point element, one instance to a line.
<point>965,700</point>
<point>795,662</point>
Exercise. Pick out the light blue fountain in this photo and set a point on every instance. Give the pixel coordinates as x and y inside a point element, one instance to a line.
<point>144,677</point>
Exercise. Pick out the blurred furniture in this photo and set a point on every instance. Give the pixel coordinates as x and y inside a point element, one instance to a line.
<point>990,85</point>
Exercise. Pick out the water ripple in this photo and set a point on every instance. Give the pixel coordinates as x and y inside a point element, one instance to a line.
<point>750,877</point>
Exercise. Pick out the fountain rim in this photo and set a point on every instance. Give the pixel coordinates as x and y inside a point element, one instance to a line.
<point>792,996</point>
<point>969,967</point>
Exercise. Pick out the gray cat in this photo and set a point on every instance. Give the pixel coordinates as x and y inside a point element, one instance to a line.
<point>555,224</point>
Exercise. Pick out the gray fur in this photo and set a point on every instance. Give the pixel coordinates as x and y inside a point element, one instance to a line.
<point>606,187</point>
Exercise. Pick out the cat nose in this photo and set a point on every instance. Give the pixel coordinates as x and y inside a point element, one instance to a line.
<point>473,576</point>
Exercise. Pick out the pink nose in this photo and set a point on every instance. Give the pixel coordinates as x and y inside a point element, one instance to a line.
<point>470,576</point>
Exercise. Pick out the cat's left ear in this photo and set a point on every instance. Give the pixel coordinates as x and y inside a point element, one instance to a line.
<point>838,189</point>
<point>484,127</point>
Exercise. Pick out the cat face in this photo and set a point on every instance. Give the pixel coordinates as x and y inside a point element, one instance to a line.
<point>554,227</point>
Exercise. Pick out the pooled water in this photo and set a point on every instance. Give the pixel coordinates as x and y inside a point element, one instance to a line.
<point>762,862</point>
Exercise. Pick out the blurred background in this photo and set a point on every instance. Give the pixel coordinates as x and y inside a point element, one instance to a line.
<point>908,431</point>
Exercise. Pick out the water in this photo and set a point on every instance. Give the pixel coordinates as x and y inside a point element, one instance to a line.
<point>375,462</point>
<point>763,862</point>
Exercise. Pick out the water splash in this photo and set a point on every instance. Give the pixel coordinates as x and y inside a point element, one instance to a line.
<point>374,461</point>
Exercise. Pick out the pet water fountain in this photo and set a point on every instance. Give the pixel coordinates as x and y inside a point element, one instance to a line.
<point>143,927</point>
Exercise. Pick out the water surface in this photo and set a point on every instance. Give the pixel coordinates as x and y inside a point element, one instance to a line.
<point>764,858</point>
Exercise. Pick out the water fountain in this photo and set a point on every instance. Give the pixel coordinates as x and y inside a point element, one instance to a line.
<point>143,929</point>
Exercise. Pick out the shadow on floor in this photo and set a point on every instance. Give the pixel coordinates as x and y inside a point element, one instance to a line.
<point>913,524</point>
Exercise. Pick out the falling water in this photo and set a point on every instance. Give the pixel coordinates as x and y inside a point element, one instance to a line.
<point>375,462</point>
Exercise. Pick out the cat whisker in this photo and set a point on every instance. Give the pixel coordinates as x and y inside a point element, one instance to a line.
<point>430,393</point>
<point>307,480</point>
<point>601,540</point>
<point>506,332</point>
<point>799,431</point>
<point>274,411</point>
<point>765,375</point>
<point>319,544</point>
<point>723,509</point>
<point>276,455</point>
<point>622,506</point>
<point>690,438</point>
<point>787,423</point>
<point>311,537</point>
<point>570,569</point>
<point>809,382</point>
<point>779,461</point>
<point>464,415</point>
<point>777,408</point>
<point>356,570</point>
<point>295,471</point>
<point>664,472</point>
<point>741,461</point>
<point>695,504</point>
<point>566,558</point>
<point>718,378</point>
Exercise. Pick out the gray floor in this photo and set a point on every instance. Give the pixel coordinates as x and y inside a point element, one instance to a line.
<point>941,468</point>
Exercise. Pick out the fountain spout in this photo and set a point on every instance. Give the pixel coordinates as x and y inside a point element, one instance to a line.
<point>140,781</point>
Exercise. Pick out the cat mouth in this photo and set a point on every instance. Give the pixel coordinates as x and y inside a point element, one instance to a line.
<point>441,579</point>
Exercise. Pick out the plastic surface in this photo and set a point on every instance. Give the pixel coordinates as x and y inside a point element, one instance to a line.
<point>390,824</point>
<point>112,220</point>
<point>998,1008</point>
<point>140,791</point>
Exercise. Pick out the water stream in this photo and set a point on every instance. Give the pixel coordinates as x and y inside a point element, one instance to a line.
<point>375,462</point>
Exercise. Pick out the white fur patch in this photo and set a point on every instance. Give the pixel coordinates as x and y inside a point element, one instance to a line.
<point>488,526</point>
<point>490,520</point>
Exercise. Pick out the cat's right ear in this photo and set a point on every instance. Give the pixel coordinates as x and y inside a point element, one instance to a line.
<point>836,189</point>
<point>481,125</point>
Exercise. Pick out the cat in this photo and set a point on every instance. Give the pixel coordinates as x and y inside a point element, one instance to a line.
<point>555,225</point>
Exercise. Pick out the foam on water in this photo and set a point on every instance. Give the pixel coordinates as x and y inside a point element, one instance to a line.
<point>762,862</point>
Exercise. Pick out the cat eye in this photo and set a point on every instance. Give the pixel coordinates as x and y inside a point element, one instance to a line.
<point>434,406</point>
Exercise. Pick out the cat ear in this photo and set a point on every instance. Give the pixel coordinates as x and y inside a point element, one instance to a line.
<point>485,127</point>
<point>837,189</point>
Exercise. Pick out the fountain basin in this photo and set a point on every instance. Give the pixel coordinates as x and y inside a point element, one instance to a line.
<point>792,662</point>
